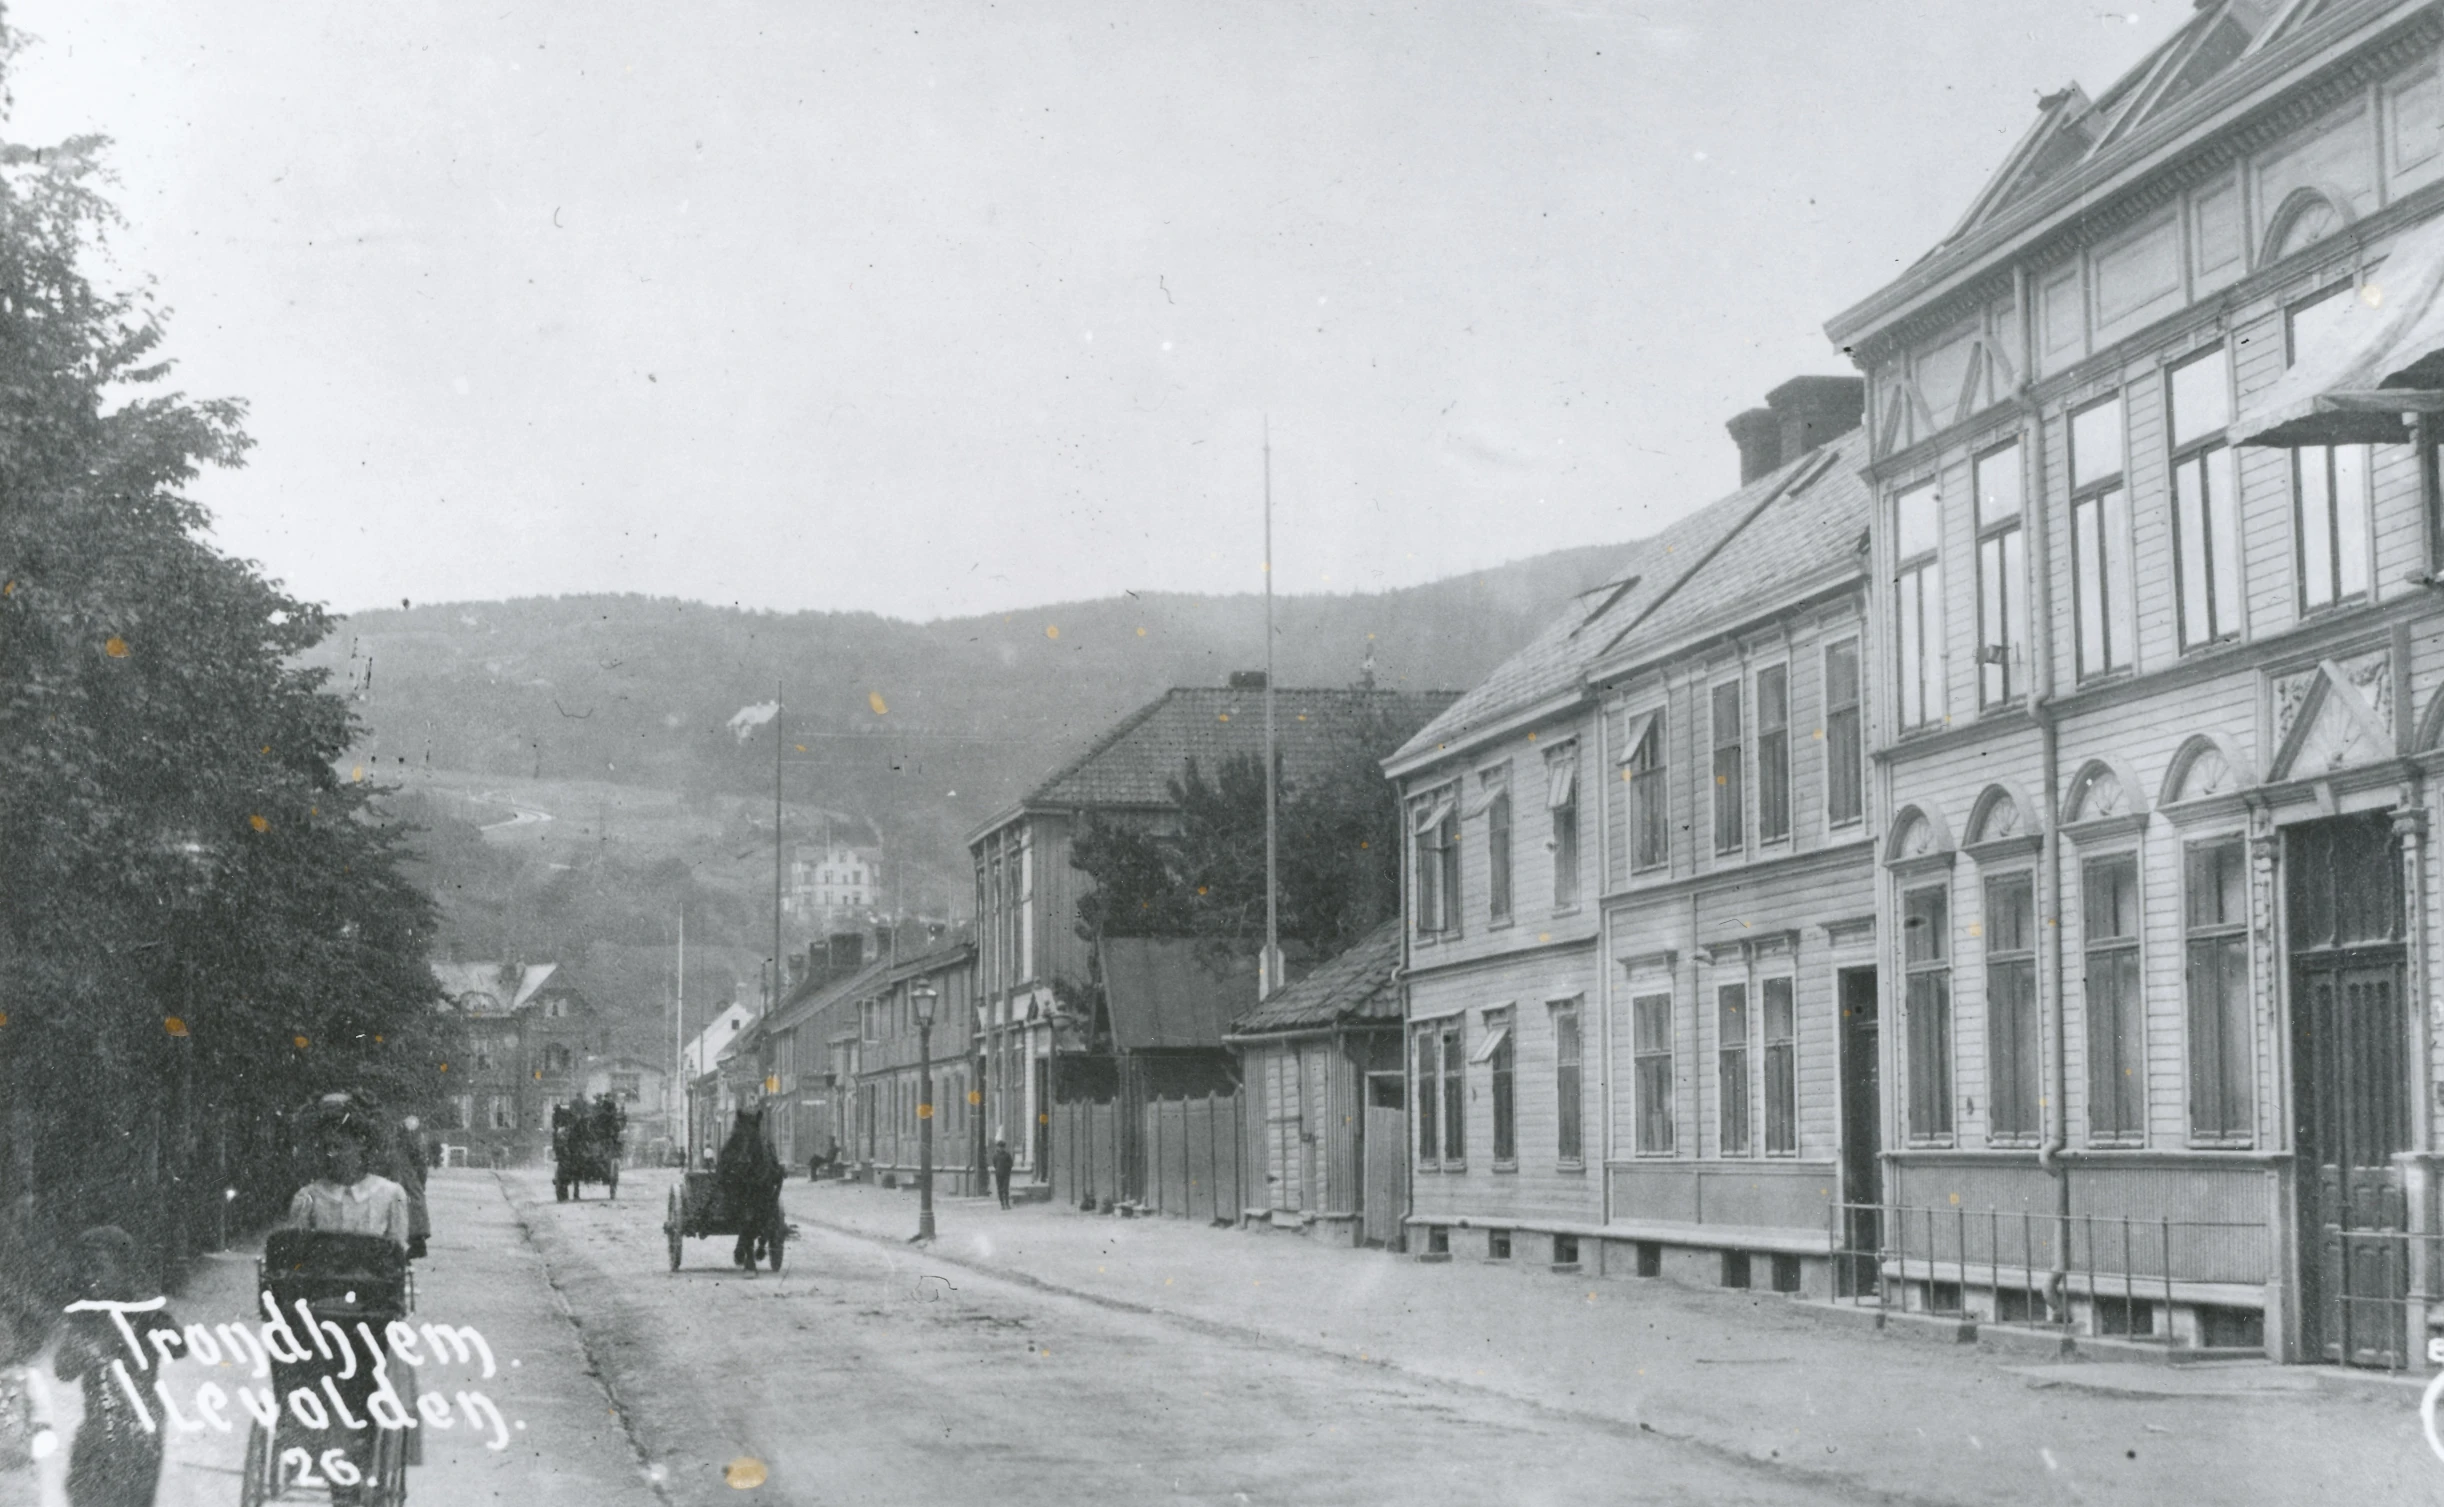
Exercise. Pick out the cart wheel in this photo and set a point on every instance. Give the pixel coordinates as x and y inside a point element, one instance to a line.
<point>615,1180</point>
<point>773,1243</point>
<point>255,1486</point>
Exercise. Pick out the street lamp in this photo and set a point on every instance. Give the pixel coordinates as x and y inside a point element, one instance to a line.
<point>921,995</point>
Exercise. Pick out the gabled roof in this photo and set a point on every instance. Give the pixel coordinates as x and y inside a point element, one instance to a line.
<point>1555,662</point>
<point>812,998</point>
<point>491,988</point>
<point>1807,534</point>
<point>1167,993</point>
<point>1134,763</point>
<point>1355,987</point>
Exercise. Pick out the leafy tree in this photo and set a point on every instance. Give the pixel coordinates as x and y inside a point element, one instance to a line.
<point>202,922</point>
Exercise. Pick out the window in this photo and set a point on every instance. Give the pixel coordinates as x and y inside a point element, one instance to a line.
<point>2117,1056</point>
<point>1501,1055</point>
<point>2206,525</point>
<point>2331,485</point>
<point>2222,1101</point>
<point>1781,1068</point>
<point>1568,1111</point>
<point>1455,1096</point>
<point>2100,540</point>
<point>1918,599</point>
<point>2013,1062</point>
<point>2002,579</point>
<point>1845,789</point>
<point>1498,844</point>
<point>1731,1065</point>
<point>1561,798</point>
<point>1651,1047</point>
<point>1773,753</point>
<point>1729,775</point>
<point>504,1112</point>
<point>1429,1073</point>
<point>1650,832</point>
<point>1926,955</point>
<point>1438,865</point>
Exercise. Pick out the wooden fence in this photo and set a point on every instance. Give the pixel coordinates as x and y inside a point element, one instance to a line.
<point>1179,1157</point>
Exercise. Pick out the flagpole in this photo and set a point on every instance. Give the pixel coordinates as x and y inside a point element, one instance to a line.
<point>780,719</point>
<point>1271,979</point>
<point>678,1050</point>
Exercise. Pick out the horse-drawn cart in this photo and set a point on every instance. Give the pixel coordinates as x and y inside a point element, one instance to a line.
<point>699,1207</point>
<point>586,1146</point>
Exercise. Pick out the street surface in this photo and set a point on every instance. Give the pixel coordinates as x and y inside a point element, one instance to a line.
<point>1044,1356</point>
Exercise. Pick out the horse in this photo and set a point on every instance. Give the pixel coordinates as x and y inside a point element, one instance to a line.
<point>749,1176</point>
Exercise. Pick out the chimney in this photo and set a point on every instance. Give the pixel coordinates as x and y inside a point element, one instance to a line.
<point>1759,435</point>
<point>1247,680</point>
<point>1812,410</point>
<point>848,951</point>
<point>797,969</point>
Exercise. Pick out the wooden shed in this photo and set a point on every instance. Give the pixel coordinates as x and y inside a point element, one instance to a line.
<point>1326,1127</point>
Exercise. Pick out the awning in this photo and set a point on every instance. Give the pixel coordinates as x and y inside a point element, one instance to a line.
<point>1431,814</point>
<point>1491,1044</point>
<point>1563,777</point>
<point>1496,784</point>
<point>2377,357</point>
<point>1634,733</point>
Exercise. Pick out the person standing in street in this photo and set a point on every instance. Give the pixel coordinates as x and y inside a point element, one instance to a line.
<point>1003,1161</point>
<point>116,1459</point>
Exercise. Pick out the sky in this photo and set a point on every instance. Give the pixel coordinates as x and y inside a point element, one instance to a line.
<point>930,309</point>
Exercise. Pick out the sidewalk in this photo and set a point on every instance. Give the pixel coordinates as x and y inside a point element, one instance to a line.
<point>1746,1375</point>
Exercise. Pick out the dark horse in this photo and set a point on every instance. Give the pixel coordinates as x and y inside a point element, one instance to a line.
<point>749,1176</point>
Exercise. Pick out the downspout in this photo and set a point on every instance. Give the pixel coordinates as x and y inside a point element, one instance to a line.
<point>1599,782</point>
<point>2041,707</point>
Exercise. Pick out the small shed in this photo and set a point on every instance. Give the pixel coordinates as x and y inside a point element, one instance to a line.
<point>1148,1120</point>
<point>1325,1109</point>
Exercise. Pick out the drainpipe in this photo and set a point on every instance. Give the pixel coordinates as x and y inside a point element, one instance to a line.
<point>2041,707</point>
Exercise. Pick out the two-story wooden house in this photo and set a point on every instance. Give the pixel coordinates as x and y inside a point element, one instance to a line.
<point>1511,1049</point>
<point>2157,645</point>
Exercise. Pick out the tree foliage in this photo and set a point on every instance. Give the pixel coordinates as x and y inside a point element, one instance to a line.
<point>1202,875</point>
<point>202,922</point>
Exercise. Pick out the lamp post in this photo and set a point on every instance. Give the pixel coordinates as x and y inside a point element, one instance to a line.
<point>921,994</point>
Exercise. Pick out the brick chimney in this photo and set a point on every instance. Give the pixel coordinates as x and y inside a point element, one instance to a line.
<point>1812,410</point>
<point>1759,435</point>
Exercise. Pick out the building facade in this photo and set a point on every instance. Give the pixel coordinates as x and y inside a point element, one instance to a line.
<point>2156,676</point>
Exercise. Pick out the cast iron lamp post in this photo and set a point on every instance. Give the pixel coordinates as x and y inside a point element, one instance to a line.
<point>921,994</point>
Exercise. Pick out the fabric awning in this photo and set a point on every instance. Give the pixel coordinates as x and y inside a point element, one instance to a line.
<point>2377,357</point>
<point>1562,787</point>
<point>1491,1044</point>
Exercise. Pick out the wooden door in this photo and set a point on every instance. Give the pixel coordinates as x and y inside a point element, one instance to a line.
<point>1314,1062</point>
<point>1386,1151</point>
<point>1862,1132</point>
<point>2350,1076</point>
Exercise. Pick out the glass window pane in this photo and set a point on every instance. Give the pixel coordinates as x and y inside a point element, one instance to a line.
<point>2011,913</point>
<point>1917,516</point>
<point>2350,519</point>
<point>2110,889</point>
<point>1773,697</point>
<point>2190,525</point>
<point>2015,574</point>
<point>2314,466</point>
<point>2119,633</point>
<point>1998,486</point>
<point>1841,675</point>
<point>1731,1001</point>
<point>2223,536</point>
<point>2201,398</point>
<point>2096,442</point>
<point>1930,664</point>
<point>1780,1016</point>
<point>2087,566</point>
<point>1924,926</point>
<point>1913,649</point>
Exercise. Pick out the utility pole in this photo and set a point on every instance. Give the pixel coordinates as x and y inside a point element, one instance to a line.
<point>1269,975</point>
<point>780,719</point>
<point>684,1139</point>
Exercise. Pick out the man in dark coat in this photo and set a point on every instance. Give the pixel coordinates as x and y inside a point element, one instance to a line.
<point>1003,1161</point>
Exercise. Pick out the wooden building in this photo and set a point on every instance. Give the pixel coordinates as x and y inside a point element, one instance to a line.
<point>888,1081</point>
<point>1517,958</point>
<point>2159,652</point>
<point>1325,1111</point>
<point>1033,966</point>
<point>1146,1109</point>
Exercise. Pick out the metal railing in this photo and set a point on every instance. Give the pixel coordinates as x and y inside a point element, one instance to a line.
<point>2365,1299</point>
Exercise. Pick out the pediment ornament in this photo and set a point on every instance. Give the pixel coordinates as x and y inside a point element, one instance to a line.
<point>2334,715</point>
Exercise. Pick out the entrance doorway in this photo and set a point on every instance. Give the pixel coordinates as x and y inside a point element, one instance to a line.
<point>1862,1133</point>
<point>1385,1153</point>
<point>2350,1051</point>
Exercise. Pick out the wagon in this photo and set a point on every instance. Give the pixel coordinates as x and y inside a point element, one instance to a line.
<point>698,1208</point>
<point>343,1280</point>
<point>586,1146</point>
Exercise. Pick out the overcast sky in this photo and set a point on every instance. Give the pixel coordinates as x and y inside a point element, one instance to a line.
<point>929,309</point>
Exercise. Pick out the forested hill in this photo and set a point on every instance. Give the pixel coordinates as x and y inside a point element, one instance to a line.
<point>919,725</point>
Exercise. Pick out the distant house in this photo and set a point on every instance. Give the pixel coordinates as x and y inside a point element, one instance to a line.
<point>706,1111</point>
<point>641,1090</point>
<point>1031,963</point>
<point>529,1039</point>
<point>1326,1127</point>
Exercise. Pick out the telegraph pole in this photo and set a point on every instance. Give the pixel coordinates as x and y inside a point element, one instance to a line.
<point>780,718</point>
<point>1270,978</point>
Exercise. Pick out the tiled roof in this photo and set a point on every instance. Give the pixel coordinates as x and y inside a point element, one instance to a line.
<point>1811,531</point>
<point>1553,663</point>
<point>1172,992</point>
<point>1134,763</point>
<point>1355,986</point>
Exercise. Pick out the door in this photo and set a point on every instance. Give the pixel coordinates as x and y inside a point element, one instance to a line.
<point>1862,1133</point>
<point>1041,1140</point>
<point>2351,1052</point>
<point>1386,1152</point>
<point>1315,1062</point>
<point>1282,1163</point>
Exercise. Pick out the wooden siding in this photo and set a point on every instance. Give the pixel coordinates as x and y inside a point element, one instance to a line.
<point>1535,920</point>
